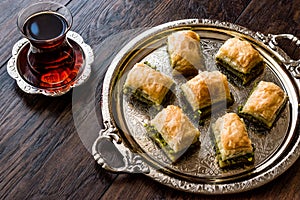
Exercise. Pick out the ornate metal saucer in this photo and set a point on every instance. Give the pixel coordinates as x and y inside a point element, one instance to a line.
<point>13,71</point>
<point>123,145</point>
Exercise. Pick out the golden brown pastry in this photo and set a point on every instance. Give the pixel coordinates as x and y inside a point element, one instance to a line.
<point>147,84</point>
<point>265,103</point>
<point>205,89</point>
<point>184,51</point>
<point>240,58</point>
<point>173,131</point>
<point>233,144</point>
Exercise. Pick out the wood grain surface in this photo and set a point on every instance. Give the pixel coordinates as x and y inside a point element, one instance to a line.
<point>42,153</point>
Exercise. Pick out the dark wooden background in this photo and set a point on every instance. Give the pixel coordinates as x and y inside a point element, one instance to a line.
<point>41,153</point>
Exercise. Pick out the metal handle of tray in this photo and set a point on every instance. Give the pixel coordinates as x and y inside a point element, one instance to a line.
<point>109,152</point>
<point>292,65</point>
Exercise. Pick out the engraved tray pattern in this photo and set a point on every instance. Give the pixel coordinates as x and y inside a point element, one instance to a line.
<point>196,171</point>
<point>203,164</point>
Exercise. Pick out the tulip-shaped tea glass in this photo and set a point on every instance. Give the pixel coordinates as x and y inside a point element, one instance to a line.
<point>50,61</point>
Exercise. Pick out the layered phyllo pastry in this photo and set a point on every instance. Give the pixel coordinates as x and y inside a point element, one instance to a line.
<point>172,130</point>
<point>239,59</point>
<point>147,84</point>
<point>204,90</point>
<point>184,52</point>
<point>264,104</point>
<point>232,143</point>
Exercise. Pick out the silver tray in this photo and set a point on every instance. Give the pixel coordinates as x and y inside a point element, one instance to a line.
<point>123,145</point>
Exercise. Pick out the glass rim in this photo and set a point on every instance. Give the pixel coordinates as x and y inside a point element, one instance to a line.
<point>41,7</point>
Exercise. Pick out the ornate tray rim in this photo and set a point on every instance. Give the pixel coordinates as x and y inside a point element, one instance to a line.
<point>133,163</point>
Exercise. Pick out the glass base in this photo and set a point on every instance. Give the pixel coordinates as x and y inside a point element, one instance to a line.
<point>19,69</point>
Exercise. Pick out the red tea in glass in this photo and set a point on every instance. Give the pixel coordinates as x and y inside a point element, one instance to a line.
<point>50,60</point>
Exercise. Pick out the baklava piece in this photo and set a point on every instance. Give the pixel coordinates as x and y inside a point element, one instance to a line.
<point>264,104</point>
<point>239,59</point>
<point>204,90</point>
<point>232,143</point>
<point>147,84</point>
<point>184,52</point>
<point>172,130</point>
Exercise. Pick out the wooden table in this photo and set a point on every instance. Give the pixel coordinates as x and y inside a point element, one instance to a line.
<point>42,155</point>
